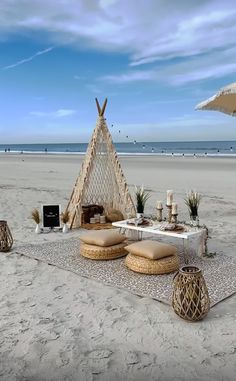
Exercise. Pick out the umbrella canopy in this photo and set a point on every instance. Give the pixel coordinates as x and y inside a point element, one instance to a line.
<point>224,101</point>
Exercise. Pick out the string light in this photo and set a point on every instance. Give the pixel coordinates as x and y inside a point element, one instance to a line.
<point>144,146</point>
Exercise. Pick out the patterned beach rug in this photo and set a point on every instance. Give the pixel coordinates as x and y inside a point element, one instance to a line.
<point>219,271</point>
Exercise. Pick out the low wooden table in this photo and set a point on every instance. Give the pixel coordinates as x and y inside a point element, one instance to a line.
<point>155,230</point>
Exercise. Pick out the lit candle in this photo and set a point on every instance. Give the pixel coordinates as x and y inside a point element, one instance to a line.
<point>174,208</point>
<point>169,197</point>
<point>159,205</point>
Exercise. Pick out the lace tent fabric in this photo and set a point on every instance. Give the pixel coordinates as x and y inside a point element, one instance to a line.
<point>101,179</point>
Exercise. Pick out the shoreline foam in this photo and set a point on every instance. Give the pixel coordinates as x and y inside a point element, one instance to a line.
<point>154,154</point>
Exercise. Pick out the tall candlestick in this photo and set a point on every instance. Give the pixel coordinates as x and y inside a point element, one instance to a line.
<point>159,205</point>
<point>159,211</point>
<point>169,207</point>
<point>169,198</point>
<point>174,208</point>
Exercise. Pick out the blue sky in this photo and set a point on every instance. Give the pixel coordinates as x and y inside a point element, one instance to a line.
<point>153,59</point>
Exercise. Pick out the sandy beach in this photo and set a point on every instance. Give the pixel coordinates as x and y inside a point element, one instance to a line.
<point>56,325</point>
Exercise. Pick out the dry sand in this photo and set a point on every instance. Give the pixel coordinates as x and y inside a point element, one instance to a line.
<point>55,325</point>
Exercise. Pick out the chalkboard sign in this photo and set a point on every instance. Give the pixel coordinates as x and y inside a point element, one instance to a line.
<point>51,216</point>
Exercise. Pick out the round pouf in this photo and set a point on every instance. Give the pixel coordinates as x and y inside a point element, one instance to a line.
<point>152,266</point>
<point>6,240</point>
<point>190,299</point>
<point>103,253</point>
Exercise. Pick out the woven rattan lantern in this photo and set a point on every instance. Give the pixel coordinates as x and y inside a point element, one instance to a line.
<point>190,299</point>
<point>6,239</point>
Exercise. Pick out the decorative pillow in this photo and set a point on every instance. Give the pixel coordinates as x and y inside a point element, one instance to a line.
<point>151,249</point>
<point>102,238</point>
<point>114,215</point>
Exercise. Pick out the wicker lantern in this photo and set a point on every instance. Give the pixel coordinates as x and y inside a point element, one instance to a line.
<point>190,299</point>
<point>6,239</point>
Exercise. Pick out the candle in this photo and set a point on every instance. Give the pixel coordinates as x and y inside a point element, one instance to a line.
<point>174,208</point>
<point>102,219</point>
<point>159,205</point>
<point>97,217</point>
<point>169,198</point>
<point>92,220</point>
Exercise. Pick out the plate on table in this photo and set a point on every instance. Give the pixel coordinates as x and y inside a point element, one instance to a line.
<point>169,227</point>
<point>140,222</point>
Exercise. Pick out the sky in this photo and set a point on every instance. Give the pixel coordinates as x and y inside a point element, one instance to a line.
<point>154,60</point>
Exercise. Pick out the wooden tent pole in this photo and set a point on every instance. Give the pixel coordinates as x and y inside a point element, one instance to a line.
<point>103,107</point>
<point>98,106</point>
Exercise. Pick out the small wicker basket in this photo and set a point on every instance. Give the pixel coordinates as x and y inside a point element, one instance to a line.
<point>6,240</point>
<point>190,299</point>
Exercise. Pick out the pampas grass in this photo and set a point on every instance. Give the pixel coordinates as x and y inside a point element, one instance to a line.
<point>141,198</point>
<point>35,216</point>
<point>65,216</point>
<point>192,201</point>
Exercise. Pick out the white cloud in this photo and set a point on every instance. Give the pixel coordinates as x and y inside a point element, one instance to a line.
<point>195,120</point>
<point>211,66</point>
<point>53,114</point>
<point>132,76</point>
<point>200,33</point>
<point>199,30</point>
<point>147,30</point>
<point>25,60</point>
<point>192,127</point>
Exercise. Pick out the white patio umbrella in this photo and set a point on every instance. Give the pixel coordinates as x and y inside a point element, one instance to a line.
<point>224,101</point>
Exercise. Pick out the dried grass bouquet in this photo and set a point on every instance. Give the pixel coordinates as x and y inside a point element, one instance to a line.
<point>192,201</point>
<point>141,198</point>
<point>65,216</point>
<point>36,216</point>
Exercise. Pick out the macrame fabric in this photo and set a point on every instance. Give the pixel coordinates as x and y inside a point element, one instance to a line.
<point>101,179</point>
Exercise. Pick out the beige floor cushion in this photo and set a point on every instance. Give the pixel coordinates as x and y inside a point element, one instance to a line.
<point>103,253</point>
<point>151,249</point>
<point>102,238</point>
<point>152,266</point>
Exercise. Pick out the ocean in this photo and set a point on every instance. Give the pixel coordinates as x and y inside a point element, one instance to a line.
<point>203,148</point>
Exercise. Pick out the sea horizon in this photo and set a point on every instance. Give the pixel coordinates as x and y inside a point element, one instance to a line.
<point>192,148</point>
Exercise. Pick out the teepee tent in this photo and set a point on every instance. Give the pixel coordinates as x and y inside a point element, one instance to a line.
<point>101,180</point>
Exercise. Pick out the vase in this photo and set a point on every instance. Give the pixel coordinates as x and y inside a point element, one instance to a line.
<point>6,240</point>
<point>37,229</point>
<point>139,215</point>
<point>194,220</point>
<point>65,228</point>
<point>190,299</point>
